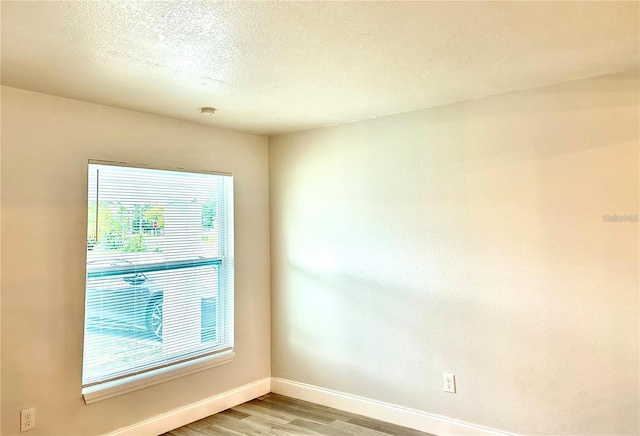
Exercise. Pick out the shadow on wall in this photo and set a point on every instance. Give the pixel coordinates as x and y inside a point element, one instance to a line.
<point>338,320</point>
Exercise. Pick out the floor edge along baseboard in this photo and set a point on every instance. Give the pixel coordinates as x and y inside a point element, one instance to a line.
<point>415,419</point>
<point>193,412</point>
<point>411,418</point>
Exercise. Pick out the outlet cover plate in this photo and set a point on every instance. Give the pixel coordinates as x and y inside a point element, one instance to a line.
<point>27,419</point>
<point>449,382</point>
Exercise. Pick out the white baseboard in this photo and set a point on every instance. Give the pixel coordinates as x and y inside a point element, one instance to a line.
<point>434,424</point>
<point>193,412</point>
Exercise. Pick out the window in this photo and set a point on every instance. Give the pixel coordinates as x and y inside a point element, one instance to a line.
<point>159,284</point>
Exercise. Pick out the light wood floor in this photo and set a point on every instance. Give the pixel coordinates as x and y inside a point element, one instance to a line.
<point>277,415</point>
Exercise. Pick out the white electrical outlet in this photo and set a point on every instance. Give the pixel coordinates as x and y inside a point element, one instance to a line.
<point>449,382</point>
<point>27,419</point>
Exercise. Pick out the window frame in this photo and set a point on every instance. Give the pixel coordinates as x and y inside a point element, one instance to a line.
<point>107,388</point>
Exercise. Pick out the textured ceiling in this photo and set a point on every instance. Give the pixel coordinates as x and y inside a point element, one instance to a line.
<point>274,67</point>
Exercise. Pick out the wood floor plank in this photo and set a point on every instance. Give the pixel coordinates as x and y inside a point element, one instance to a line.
<point>257,407</point>
<point>325,411</point>
<point>290,430</point>
<point>356,430</point>
<point>186,431</point>
<point>233,414</point>
<point>263,413</point>
<point>325,430</point>
<point>289,427</point>
<point>203,425</point>
<point>299,412</point>
<point>385,427</point>
<point>221,431</point>
<point>277,415</point>
<point>269,427</point>
<point>239,426</point>
<point>259,422</point>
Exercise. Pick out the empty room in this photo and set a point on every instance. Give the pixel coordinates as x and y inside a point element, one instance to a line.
<point>319,218</point>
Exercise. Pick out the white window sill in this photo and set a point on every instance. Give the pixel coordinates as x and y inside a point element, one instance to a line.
<point>113,388</point>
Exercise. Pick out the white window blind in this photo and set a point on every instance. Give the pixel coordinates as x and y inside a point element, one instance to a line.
<point>159,286</point>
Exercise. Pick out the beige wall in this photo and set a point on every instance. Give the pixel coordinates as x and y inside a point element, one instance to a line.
<point>467,239</point>
<point>46,142</point>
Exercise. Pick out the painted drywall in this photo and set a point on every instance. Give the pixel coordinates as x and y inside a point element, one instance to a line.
<point>46,142</point>
<point>468,239</point>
